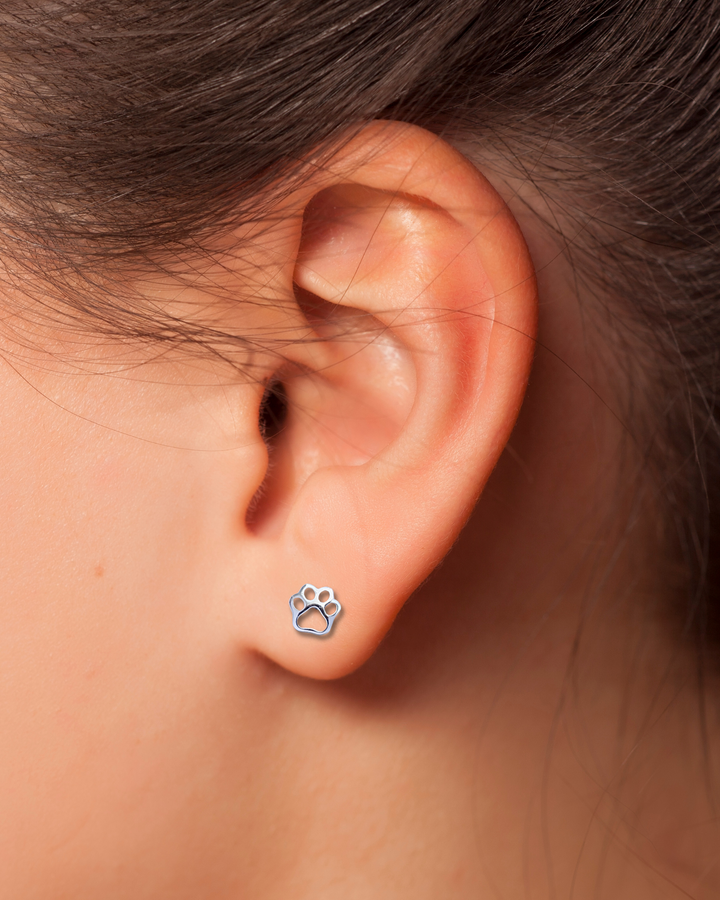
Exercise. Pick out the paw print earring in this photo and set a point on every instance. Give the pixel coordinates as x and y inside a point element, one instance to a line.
<point>320,600</point>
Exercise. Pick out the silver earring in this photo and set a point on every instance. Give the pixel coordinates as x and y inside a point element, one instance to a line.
<point>321,599</point>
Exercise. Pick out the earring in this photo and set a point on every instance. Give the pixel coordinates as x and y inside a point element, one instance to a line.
<point>321,599</point>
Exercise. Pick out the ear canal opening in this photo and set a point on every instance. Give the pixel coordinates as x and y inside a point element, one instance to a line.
<point>272,415</point>
<point>272,419</point>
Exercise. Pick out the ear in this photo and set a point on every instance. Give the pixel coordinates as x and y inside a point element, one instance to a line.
<point>420,298</point>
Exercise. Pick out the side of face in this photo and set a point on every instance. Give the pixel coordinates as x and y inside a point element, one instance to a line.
<point>151,540</point>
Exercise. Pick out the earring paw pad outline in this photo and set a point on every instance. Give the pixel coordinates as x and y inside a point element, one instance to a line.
<point>309,598</point>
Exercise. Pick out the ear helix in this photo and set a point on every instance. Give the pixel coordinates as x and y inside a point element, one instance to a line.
<point>310,599</point>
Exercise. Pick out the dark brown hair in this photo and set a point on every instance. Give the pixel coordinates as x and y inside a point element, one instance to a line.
<point>130,130</point>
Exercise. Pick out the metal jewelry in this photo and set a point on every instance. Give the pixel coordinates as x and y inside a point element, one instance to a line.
<point>311,598</point>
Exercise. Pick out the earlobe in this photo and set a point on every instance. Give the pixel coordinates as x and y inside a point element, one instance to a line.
<point>422,267</point>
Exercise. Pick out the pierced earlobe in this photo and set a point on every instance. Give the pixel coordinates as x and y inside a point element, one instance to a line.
<point>309,600</point>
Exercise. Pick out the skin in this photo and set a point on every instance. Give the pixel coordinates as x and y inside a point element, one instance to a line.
<point>524,722</point>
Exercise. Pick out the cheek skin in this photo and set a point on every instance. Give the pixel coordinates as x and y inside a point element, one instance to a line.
<point>107,738</point>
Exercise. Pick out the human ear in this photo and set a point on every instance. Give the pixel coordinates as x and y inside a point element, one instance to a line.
<point>420,298</point>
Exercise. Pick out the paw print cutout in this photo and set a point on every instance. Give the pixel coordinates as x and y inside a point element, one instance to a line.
<point>309,600</point>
